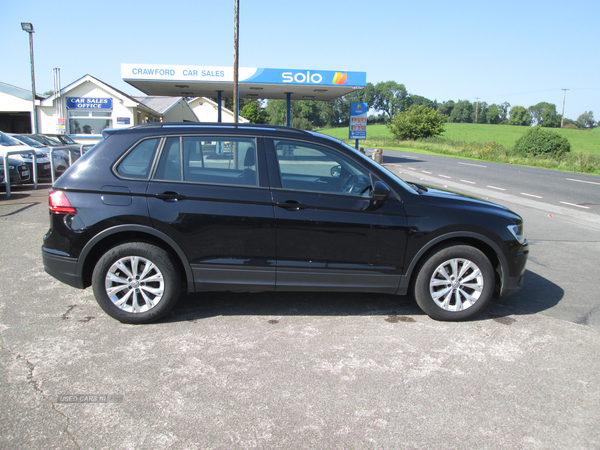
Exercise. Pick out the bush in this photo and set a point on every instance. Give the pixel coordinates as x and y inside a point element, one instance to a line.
<point>417,122</point>
<point>540,142</point>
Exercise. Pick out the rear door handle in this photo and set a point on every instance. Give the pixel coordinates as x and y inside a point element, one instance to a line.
<point>171,196</point>
<point>291,204</point>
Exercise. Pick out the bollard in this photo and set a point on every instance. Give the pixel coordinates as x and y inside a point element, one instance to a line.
<point>378,155</point>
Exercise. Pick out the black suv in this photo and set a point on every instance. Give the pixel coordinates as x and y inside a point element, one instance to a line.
<point>159,209</point>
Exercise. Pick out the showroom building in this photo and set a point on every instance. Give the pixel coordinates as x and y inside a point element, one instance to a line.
<point>87,106</point>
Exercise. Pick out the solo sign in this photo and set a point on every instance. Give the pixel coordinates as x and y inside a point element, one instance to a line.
<point>89,103</point>
<point>358,120</point>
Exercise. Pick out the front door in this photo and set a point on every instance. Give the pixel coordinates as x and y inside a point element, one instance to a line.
<point>327,237</point>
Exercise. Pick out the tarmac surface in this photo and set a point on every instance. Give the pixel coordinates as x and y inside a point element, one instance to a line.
<point>296,371</point>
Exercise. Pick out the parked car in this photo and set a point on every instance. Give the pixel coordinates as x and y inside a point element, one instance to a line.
<point>158,209</point>
<point>64,149</point>
<point>66,140</point>
<point>61,159</point>
<point>9,144</point>
<point>19,172</point>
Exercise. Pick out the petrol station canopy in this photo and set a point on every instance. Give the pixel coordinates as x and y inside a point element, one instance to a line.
<point>208,81</point>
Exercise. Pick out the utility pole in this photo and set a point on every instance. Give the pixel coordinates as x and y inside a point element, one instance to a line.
<point>562,119</point>
<point>476,108</point>
<point>236,50</point>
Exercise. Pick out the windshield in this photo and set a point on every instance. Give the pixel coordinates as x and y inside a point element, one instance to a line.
<point>408,186</point>
<point>52,140</point>
<point>66,139</point>
<point>7,141</point>
<point>27,140</point>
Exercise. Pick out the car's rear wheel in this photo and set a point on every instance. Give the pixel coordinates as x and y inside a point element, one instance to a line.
<point>455,283</point>
<point>136,282</point>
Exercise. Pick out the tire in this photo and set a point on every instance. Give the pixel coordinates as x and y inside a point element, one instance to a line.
<point>136,283</point>
<point>454,283</point>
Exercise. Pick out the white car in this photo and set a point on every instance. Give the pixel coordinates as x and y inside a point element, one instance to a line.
<point>9,144</point>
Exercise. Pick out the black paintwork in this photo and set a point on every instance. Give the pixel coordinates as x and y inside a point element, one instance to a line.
<point>241,238</point>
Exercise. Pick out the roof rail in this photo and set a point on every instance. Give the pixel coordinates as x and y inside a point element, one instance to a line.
<point>217,125</point>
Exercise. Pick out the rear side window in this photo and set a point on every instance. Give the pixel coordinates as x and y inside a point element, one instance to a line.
<point>207,159</point>
<point>138,161</point>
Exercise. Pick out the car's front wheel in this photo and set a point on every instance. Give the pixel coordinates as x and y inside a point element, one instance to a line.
<point>455,283</point>
<point>136,282</point>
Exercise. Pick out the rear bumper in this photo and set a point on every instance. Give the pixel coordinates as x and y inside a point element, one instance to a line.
<point>63,268</point>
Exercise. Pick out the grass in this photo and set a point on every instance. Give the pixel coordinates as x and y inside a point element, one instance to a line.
<point>488,143</point>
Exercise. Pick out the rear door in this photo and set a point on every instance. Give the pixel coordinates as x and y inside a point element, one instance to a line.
<point>211,195</point>
<point>327,236</point>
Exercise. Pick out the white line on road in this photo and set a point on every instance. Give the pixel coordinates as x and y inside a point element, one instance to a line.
<point>574,204</point>
<point>470,182</point>
<point>494,187</point>
<point>424,171</point>
<point>582,181</point>
<point>531,195</point>
<point>444,176</point>
<point>411,168</point>
<point>469,164</point>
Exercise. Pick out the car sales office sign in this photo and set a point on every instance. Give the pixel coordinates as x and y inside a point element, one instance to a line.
<point>89,103</point>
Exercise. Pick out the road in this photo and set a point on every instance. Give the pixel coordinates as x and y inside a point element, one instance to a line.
<point>574,191</point>
<point>562,224</point>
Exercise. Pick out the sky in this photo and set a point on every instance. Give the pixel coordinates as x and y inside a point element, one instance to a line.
<point>522,52</point>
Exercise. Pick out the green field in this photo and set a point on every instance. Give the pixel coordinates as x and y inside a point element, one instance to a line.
<point>582,141</point>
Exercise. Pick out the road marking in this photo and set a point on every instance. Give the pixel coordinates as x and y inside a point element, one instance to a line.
<point>582,181</point>
<point>444,176</point>
<point>470,182</point>
<point>494,187</point>
<point>412,157</point>
<point>411,168</point>
<point>574,204</point>
<point>469,164</point>
<point>424,171</point>
<point>531,195</point>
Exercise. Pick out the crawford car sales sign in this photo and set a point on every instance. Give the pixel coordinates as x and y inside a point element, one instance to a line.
<point>89,103</point>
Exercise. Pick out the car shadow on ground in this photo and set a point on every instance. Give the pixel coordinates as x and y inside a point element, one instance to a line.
<point>399,160</point>
<point>537,295</point>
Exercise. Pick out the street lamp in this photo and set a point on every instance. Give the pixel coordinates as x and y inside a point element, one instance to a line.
<point>26,26</point>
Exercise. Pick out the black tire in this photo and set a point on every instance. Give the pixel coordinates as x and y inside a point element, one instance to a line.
<point>145,299</point>
<point>454,283</point>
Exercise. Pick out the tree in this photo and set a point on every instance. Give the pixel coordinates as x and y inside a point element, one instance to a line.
<point>545,115</point>
<point>492,114</point>
<point>419,100</point>
<point>446,108</point>
<point>417,122</point>
<point>391,98</point>
<point>463,112</point>
<point>539,142</point>
<point>503,109</point>
<point>586,120</point>
<point>481,115</point>
<point>254,112</point>
<point>520,116</point>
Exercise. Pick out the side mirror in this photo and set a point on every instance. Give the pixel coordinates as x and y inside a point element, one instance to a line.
<point>336,171</point>
<point>381,192</point>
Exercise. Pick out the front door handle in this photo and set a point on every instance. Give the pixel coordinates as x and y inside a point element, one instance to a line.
<point>291,204</point>
<point>171,196</point>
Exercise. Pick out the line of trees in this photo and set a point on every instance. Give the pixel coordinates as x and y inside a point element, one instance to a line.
<point>388,98</point>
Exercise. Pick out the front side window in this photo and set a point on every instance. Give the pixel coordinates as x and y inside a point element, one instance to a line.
<point>309,167</point>
<point>213,160</point>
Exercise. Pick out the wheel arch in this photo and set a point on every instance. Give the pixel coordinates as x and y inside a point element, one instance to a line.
<point>490,248</point>
<point>119,234</point>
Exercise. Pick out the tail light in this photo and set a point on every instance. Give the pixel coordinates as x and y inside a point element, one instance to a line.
<point>59,203</point>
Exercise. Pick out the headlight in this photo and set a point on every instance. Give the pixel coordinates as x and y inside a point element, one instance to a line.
<point>517,232</point>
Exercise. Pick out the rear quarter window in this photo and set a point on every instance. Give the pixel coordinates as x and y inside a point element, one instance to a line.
<point>138,161</point>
